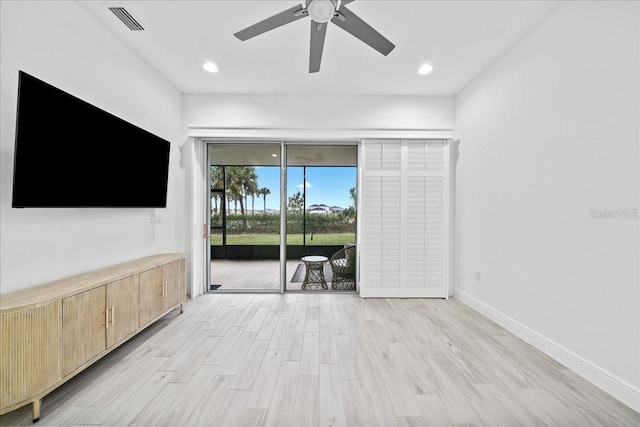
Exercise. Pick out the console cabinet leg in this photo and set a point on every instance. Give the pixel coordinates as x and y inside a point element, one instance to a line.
<point>36,410</point>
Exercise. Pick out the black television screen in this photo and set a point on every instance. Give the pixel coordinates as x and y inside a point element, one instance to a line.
<point>71,154</point>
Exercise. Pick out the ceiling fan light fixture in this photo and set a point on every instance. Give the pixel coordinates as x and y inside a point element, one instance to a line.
<point>210,67</point>
<point>322,11</point>
<point>425,69</point>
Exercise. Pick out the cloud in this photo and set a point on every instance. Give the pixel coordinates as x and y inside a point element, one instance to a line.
<point>308,185</point>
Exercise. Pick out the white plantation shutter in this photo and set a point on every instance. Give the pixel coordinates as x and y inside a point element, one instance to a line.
<point>381,201</point>
<point>403,237</point>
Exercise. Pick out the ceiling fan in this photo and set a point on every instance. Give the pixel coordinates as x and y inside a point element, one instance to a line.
<point>321,12</point>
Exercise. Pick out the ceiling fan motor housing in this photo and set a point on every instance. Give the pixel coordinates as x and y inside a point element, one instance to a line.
<point>322,10</point>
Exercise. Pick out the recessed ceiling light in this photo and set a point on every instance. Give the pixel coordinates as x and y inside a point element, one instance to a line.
<point>210,67</point>
<point>274,155</point>
<point>425,69</point>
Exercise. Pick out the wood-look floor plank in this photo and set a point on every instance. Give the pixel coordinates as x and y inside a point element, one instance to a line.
<point>192,365</point>
<point>310,358</point>
<point>216,316</point>
<point>176,359</point>
<point>346,358</point>
<point>237,354</point>
<point>265,381</point>
<point>213,394</point>
<point>357,405</point>
<point>300,312</point>
<point>116,393</point>
<point>331,411</point>
<point>247,315</point>
<point>415,422</point>
<point>307,401</point>
<point>314,300</point>
<point>258,318</point>
<point>326,316</point>
<point>227,323</point>
<point>106,389</point>
<point>254,418</point>
<point>280,334</point>
<point>312,323</point>
<point>281,408</point>
<point>293,346</point>
<point>289,306</point>
<point>328,346</point>
<point>248,372</point>
<point>268,326</point>
<point>176,402</point>
<point>231,410</point>
<point>224,347</point>
<point>131,407</point>
<point>269,300</point>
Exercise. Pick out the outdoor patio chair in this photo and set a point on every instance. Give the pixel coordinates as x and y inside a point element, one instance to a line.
<point>343,268</point>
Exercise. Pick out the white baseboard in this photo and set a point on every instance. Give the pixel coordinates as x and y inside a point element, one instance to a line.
<point>616,387</point>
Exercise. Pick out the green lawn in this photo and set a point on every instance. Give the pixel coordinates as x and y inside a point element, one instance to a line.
<point>292,239</point>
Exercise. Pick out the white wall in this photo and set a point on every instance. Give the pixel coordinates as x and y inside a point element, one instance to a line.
<point>547,134</point>
<point>303,118</point>
<point>63,45</point>
<point>320,112</point>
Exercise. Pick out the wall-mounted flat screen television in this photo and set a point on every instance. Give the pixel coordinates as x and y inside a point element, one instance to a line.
<point>71,154</point>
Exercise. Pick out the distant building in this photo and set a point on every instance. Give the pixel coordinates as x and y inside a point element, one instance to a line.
<point>324,209</point>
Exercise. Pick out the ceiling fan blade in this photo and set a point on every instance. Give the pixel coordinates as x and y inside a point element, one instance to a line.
<point>275,21</point>
<point>318,32</point>
<point>354,25</point>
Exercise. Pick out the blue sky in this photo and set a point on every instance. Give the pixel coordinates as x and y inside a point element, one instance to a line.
<point>325,185</point>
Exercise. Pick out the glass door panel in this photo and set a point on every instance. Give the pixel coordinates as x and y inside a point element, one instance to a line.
<point>245,217</point>
<point>321,214</point>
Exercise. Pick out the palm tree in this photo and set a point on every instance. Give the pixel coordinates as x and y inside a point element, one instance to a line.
<point>217,182</point>
<point>252,189</point>
<point>244,176</point>
<point>264,191</point>
<point>248,179</point>
<point>234,187</point>
<point>241,181</point>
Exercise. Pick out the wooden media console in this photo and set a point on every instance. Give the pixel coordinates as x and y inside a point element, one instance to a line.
<point>50,333</point>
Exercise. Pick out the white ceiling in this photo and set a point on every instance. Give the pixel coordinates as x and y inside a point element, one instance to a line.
<point>459,38</point>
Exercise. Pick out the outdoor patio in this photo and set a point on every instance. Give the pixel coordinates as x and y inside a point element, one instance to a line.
<point>247,275</point>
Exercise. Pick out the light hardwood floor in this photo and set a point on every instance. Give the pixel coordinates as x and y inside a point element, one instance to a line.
<point>326,360</point>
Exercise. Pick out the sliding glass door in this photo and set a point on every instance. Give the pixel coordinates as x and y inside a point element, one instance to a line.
<point>260,241</point>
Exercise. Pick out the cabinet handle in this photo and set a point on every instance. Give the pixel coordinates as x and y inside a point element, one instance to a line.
<point>106,318</point>
<point>113,314</point>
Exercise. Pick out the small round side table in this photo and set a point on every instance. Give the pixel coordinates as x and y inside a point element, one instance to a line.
<point>314,275</point>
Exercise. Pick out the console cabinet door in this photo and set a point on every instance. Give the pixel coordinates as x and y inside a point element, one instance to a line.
<point>83,328</point>
<point>122,309</point>
<point>29,353</point>
<point>152,292</point>
<point>172,276</point>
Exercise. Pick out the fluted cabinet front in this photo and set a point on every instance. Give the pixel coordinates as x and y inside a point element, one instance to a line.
<point>29,354</point>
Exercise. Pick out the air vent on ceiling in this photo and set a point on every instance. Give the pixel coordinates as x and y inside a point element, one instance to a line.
<point>126,18</point>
